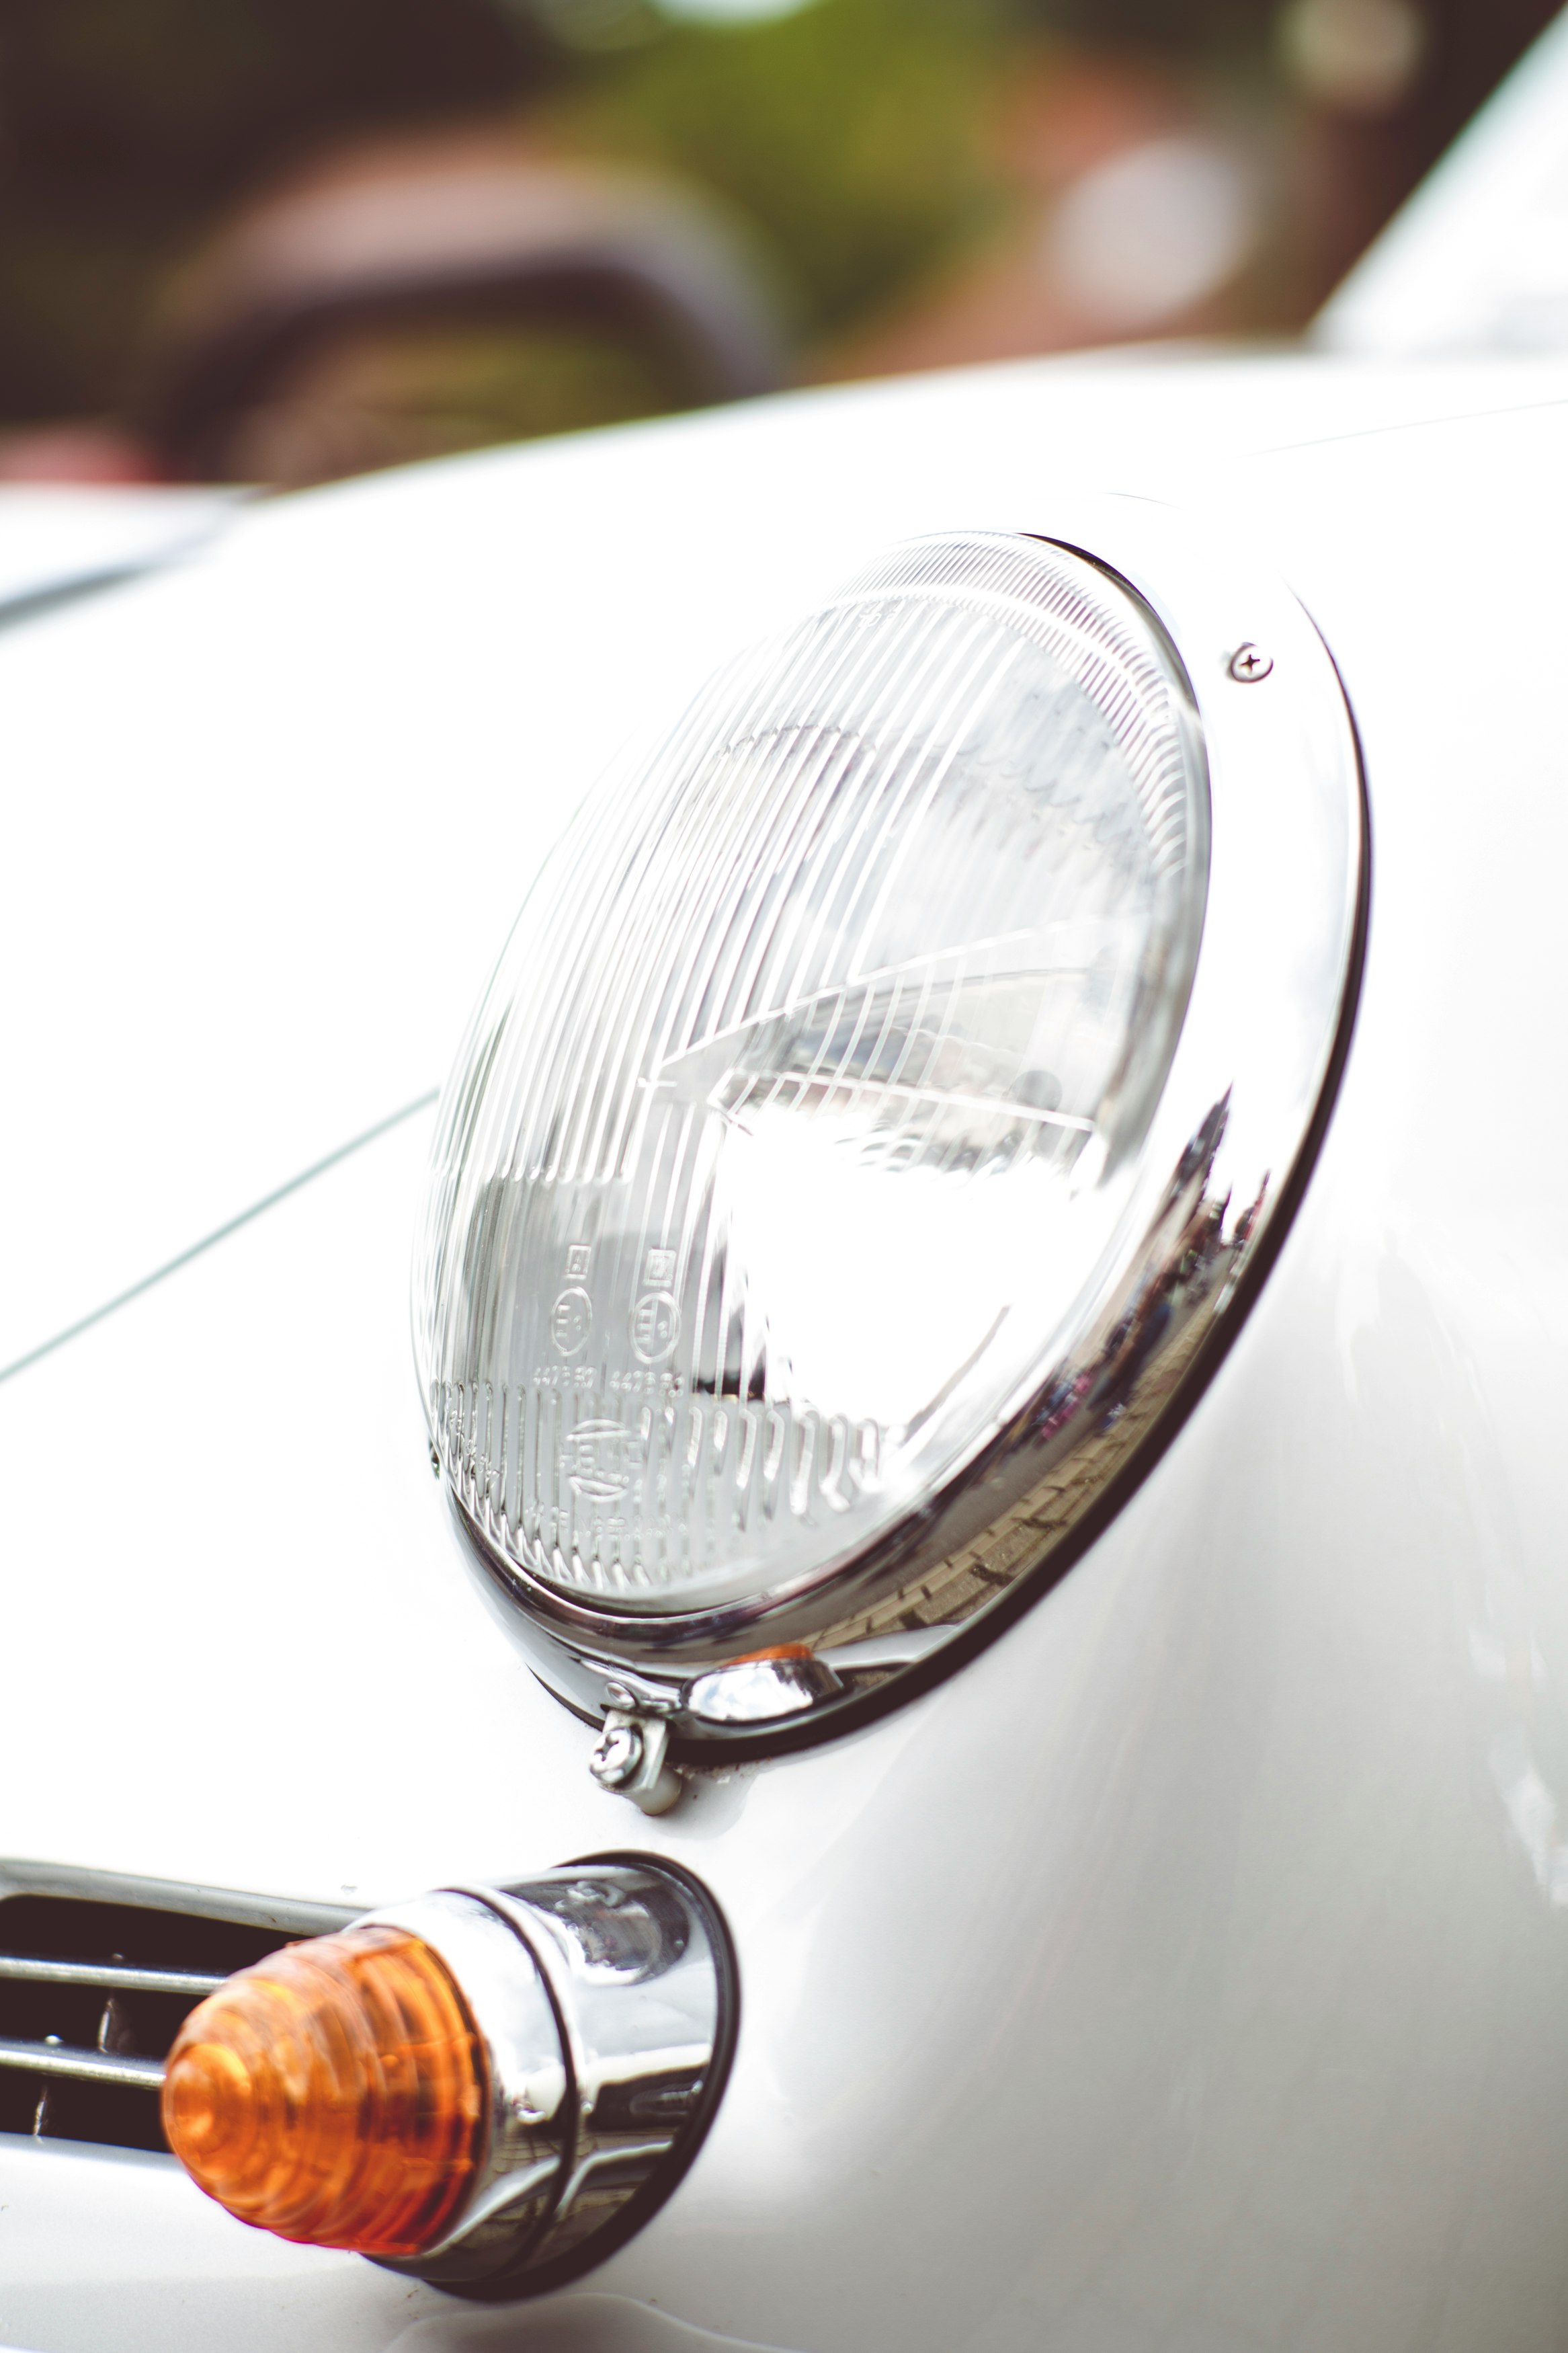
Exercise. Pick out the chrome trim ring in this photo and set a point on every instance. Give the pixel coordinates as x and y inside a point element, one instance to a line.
<point>604,1994</point>
<point>528,2127</point>
<point>1249,1086</point>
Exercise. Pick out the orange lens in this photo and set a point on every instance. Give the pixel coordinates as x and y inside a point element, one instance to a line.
<point>335,2093</point>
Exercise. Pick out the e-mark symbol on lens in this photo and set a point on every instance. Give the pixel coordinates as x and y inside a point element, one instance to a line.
<point>656,1326</point>
<point>571,1321</point>
<point>597,1461</point>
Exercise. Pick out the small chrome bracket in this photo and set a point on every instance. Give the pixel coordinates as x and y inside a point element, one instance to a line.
<point>628,1760</point>
<point>762,1690</point>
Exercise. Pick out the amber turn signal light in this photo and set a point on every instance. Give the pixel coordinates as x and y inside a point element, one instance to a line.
<point>336,2094</point>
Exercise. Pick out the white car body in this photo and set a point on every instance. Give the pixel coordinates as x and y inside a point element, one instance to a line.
<point>1188,1968</point>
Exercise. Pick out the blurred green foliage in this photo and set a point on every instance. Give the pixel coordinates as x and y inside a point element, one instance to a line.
<point>1213,32</point>
<point>849,134</point>
<point>857,136</point>
<point>853,133</point>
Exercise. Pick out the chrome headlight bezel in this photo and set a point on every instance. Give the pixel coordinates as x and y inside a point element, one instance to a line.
<point>1266,1029</point>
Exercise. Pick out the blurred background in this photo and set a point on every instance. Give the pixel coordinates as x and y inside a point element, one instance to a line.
<point>282,241</point>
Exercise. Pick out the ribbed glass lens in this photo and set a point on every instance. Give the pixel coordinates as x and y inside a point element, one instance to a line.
<point>335,2094</point>
<point>785,1148</point>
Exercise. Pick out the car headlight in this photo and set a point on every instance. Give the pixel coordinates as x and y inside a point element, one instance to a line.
<point>864,1139</point>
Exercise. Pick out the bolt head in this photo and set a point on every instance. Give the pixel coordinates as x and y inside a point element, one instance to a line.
<point>1249,665</point>
<point>617,1756</point>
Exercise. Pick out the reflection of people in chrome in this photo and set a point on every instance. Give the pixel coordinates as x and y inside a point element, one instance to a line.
<point>1149,1325</point>
<point>1182,1276</point>
<point>1247,1223</point>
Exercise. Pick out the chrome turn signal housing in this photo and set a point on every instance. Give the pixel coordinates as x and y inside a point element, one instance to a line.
<point>881,1117</point>
<point>488,2088</point>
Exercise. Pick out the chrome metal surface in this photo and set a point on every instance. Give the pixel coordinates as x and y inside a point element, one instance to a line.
<point>528,2129</point>
<point>906,1648</point>
<point>105,1973</point>
<point>601,1992</point>
<point>1266,1024</point>
<point>635,1963</point>
<point>760,1691</point>
<point>291,1916</point>
<point>618,1754</point>
<point>97,1973</point>
<point>86,2066</point>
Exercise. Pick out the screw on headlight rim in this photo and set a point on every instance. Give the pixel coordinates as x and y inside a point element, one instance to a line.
<point>1249,665</point>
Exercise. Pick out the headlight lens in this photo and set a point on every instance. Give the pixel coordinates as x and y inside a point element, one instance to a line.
<point>803,1105</point>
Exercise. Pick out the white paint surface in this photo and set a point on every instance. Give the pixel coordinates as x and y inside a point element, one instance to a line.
<point>54,537</point>
<point>1187,1972</point>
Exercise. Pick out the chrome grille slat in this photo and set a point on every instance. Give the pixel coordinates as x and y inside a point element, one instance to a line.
<point>84,2066</point>
<point>25,1971</point>
<point>96,1976</point>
